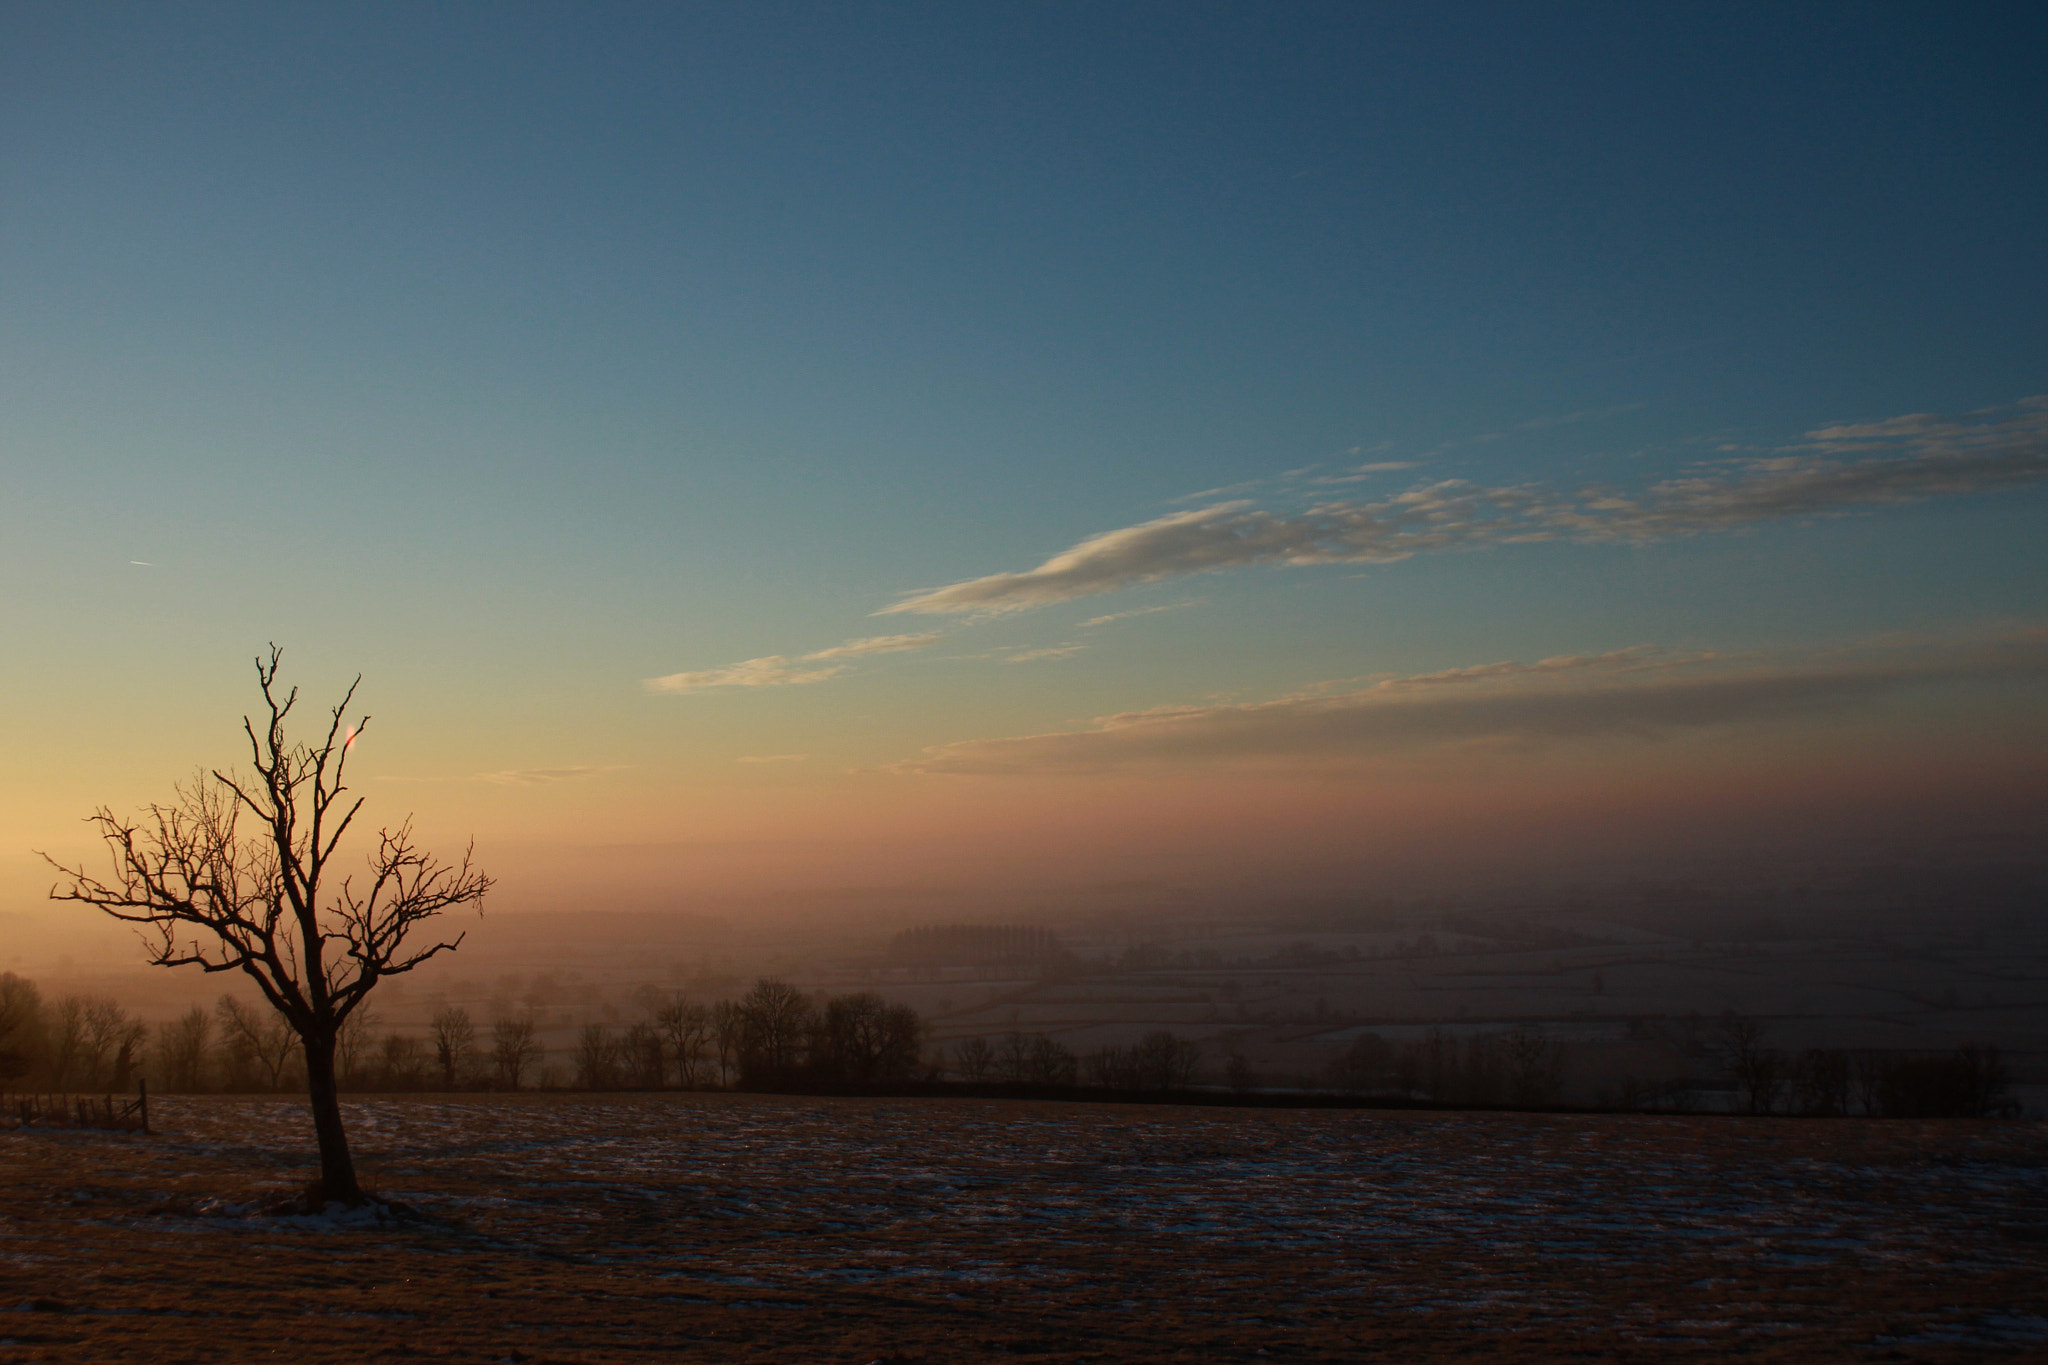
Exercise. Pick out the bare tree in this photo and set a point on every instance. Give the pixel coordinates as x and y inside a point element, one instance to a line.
<point>1821,1080</point>
<point>20,1003</point>
<point>454,1044</point>
<point>261,1038</point>
<point>644,1057</point>
<point>775,1027</point>
<point>66,1042</point>
<point>112,1040</point>
<point>214,897</point>
<point>974,1059</point>
<point>514,1048</point>
<point>597,1058</point>
<point>1535,1066</point>
<point>728,1027</point>
<point>1758,1070</point>
<point>1013,1059</point>
<point>1050,1062</point>
<point>1034,1059</point>
<point>21,1014</point>
<point>1866,1075</point>
<point>181,1047</point>
<point>687,1028</point>
<point>1163,1061</point>
<point>862,1037</point>
<point>355,1047</point>
<point>401,1062</point>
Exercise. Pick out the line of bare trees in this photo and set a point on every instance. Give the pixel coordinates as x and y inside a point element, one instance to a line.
<point>779,1036</point>
<point>774,1035</point>
<point>92,1042</point>
<point>79,1042</point>
<point>1969,1082</point>
<point>1158,1061</point>
<point>1520,1067</point>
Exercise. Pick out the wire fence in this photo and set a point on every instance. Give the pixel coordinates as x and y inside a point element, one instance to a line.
<point>39,1110</point>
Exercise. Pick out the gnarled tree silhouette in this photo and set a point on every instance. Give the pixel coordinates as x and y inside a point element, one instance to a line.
<point>218,896</point>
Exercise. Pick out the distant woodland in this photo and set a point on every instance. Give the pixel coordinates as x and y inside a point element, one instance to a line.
<point>776,1036</point>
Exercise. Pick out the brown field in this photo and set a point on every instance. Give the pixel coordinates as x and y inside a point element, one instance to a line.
<point>720,1227</point>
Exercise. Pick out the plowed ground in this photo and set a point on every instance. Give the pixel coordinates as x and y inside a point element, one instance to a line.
<point>729,1227</point>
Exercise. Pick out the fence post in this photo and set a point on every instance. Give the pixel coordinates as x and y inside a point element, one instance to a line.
<point>142,1099</point>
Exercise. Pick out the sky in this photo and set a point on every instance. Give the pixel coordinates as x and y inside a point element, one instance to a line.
<point>757,454</point>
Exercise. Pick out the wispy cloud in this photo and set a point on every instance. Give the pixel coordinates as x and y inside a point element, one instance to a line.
<point>1362,472</point>
<point>1226,491</point>
<point>776,670</point>
<point>1638,692</point>
<point>1026,656</point>
<point>771,670</point>
<point>1835,471</point>
<point>1134,611</point>
<point>535,777</point>
<point>514,777</point>
<point>772,758</point>
<point>877,644</point>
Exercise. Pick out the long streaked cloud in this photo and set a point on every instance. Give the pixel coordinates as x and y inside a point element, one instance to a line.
<point>1042,652</point>
<point>1104,620</point>
<point>1640,692</point>
<point>1835,471</point>
<point>877,644</point>
<point>771,670</point>
<point>1359,473</point>
<point>518,777</point>
<point>776,670</point>
<point>537,777</point>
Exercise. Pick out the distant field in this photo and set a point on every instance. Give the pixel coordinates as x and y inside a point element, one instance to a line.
<point>1646,1008</point>
<point>730,1227</point>
<point>1626,1004</point>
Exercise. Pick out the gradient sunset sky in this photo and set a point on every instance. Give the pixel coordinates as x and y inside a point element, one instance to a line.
<point>761,450</point>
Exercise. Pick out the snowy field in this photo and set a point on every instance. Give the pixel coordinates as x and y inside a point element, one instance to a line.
<point>577,1228</point>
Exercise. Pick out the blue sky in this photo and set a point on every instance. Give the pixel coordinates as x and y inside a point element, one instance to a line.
<point>517,355</point>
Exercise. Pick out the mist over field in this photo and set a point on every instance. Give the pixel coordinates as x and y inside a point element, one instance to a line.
<point>1632,975</point>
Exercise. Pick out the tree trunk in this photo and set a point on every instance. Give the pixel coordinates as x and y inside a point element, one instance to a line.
<point>337,1168</point>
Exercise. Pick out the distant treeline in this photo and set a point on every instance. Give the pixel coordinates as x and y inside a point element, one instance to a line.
<point>779,1037</point>
<point>1521,1067</point>
<point>1969,1082</point>
<point>774,1035</point>
<point>1159,1061</point>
